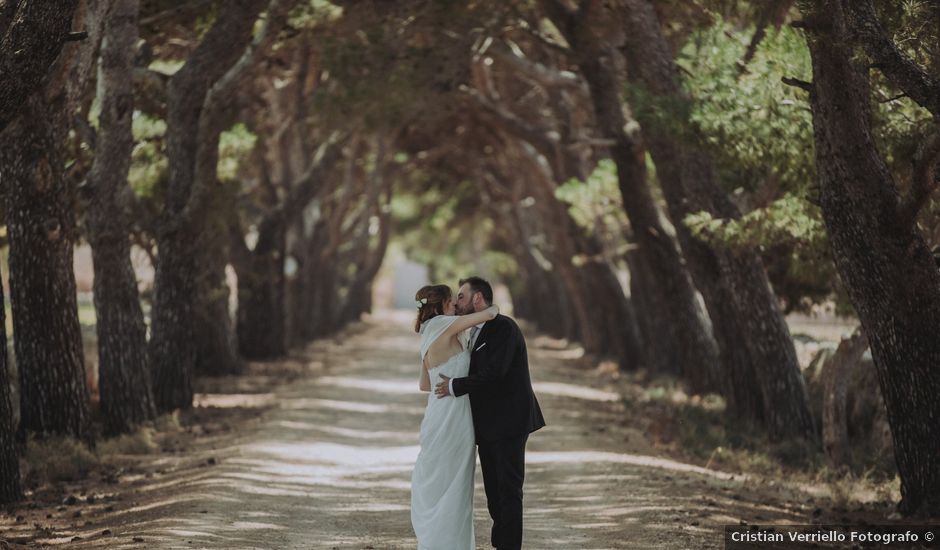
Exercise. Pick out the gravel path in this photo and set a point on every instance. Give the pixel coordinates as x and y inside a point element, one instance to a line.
<point>329,467</point>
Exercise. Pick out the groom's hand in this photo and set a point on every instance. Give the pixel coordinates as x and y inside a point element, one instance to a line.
<point>443,388</point>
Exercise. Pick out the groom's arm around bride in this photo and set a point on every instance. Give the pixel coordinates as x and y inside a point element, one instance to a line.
<point>498,381</point>
<point>504,409</point>
<point>499,384</point>
<point>494,356</point>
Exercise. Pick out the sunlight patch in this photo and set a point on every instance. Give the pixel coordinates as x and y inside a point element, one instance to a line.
<point>579,392</point>
<point>577,457</point>
<point>373,385</point>
<point>229,400</point>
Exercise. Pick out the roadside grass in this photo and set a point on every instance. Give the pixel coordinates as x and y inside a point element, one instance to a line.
<point>696,429</point>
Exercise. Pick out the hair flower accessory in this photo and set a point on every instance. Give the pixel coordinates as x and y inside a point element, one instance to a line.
<point>421,302</point>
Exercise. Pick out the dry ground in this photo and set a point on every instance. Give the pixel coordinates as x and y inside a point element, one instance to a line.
<point>324,461</point>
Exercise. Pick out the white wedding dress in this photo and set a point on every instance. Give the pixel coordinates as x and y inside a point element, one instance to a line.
<point>442,481</point>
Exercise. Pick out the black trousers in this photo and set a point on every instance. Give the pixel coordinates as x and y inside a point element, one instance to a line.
<point>503,465</point>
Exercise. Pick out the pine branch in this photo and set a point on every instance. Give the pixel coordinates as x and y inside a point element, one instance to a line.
<point>896,65</point>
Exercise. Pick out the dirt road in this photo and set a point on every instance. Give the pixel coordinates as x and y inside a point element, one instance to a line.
<point>329,467</point>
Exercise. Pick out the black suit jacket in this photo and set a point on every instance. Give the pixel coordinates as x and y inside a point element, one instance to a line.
<point>501,398</point>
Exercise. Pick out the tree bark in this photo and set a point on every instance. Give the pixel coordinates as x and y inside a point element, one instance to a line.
<point>266,325</point>
<point>835,374</point>
<point>261,313</point>
<point>617,318</point>
<point>172,350</point>
<point>883,260</point>
<point>123,368</point>
<point>321,272</point>
<point>214,331</point>
<point>676,331</point>
<point>561,229</point>
<point>40,220</point>
<point>727,279</point>
<point>28,47</point>
<point>38,200</point>
<point>10,490</point>
<point>541,289</point>
<point>359,291</point>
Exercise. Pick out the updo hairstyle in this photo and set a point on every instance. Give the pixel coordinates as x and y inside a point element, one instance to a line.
<point>431,300</point>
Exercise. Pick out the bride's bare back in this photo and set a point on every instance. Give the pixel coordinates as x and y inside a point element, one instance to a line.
<point>448,344</point>
<point>441,350</point>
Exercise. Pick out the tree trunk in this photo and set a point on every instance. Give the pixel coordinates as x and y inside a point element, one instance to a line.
<point>28,47</point>
<point>214,333</point>
<point>325,290</point>
<point>359,297</point>
<point>39,199</point>
<point>40,220</point>
<point>261,313</point>
<point>835,373</point>
<point>297,289</point>
<point>273,307</point>
<point>308,285</point>
<point>214,204</point>
<point>39,28</point>
<point>687,178</point>
<point>883,260</point>
<point>560,228</point>
<point>535,295</point>
<point>172,350</point>
<point>617,317</point>
<point>123,370</point>
<point>10,490</point>
<point>553,310</point>
<point>679,342</point>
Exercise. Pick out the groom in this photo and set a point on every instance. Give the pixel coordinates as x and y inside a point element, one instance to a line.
<point>504,409</point>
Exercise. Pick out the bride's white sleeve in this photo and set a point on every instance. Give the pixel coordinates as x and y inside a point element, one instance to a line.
<point>432,329</point>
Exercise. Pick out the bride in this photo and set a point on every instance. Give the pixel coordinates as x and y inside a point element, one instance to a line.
<point>442,481</point>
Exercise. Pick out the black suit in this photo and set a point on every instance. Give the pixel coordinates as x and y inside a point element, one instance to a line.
<point>505,412</point>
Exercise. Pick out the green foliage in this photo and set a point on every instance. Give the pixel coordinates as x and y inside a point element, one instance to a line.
<point>759,134</point>
<point>235,145</point>
<point>597,201</point>
<point>395,62</point>
<point>149,163</point>
<point>900,126</point>
<point>912,24</point>
<point>442,226</point>
<point>791,235</point>
<point>313,14</point>
<point>597,206</point>
<point>757,129</point>
<point>790,220</point>
<point>434,234</point>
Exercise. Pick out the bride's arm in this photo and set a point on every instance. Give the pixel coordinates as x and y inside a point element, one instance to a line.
<point>467,321</point>
<point>424,383</point>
